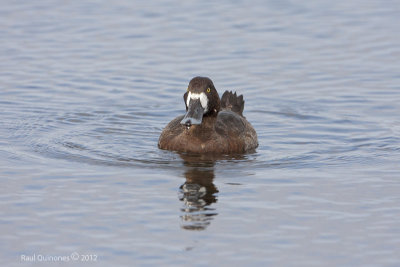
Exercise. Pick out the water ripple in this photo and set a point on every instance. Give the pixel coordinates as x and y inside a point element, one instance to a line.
<point>87,87</point>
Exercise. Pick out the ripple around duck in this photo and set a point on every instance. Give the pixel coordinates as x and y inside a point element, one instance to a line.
<point>129,139</point>
<point>112,140</point>
<point>295,137</point>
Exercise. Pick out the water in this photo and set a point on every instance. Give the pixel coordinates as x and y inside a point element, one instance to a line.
<point>86,88</point>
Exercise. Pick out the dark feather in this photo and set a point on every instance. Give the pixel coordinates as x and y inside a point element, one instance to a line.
<point>230,101</point>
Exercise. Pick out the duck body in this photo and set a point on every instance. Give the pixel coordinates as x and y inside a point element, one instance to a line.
<point>210,125</point>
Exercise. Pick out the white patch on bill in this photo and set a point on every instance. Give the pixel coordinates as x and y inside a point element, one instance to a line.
<point>203,100</point>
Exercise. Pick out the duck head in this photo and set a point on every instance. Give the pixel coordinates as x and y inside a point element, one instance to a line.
<point>201,99</point>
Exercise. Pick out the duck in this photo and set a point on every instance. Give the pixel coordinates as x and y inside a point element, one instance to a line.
<point>211,125</point>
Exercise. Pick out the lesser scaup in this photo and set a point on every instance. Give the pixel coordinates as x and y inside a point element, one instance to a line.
<point>211,124</point>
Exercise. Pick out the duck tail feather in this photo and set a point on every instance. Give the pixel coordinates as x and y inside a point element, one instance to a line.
<point>230,101</point>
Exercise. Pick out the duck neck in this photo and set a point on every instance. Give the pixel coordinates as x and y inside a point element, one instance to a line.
<point>207,124</point>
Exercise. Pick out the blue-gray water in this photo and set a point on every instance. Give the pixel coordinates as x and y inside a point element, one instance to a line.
<point>87,86</point>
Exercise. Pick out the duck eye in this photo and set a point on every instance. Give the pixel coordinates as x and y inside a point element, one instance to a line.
<point>208,89</point>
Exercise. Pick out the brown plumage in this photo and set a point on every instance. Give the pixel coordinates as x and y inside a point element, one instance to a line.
<point>222,128</point>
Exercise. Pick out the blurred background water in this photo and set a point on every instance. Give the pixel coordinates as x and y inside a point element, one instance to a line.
<point>87,86</point>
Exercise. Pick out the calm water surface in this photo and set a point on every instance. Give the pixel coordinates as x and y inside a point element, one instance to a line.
<point>87,86</point>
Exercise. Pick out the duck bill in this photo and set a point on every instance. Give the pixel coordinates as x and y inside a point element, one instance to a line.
<point>194,114</point>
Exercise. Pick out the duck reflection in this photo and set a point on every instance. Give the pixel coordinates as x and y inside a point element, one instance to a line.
<point>198,192</point>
